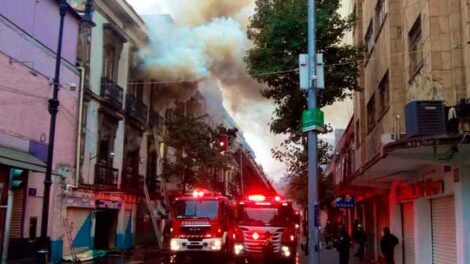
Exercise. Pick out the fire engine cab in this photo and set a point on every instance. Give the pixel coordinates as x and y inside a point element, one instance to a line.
<point>265,230</point>
<point>201,223</point>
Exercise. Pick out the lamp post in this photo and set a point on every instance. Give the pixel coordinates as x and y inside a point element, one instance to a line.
<point>53,109</point>
<point>43,252</point>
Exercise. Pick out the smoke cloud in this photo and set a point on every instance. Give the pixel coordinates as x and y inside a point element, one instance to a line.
<point>207,40</point>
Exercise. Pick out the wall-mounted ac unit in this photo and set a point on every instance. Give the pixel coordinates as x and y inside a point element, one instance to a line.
<point>425,118</point>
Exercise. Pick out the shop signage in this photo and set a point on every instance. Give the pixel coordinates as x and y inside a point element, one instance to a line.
<point>108,204</point>
<point>420,189</point>
<point>345,202</point>
<point>80,202</point>
<point>125,198</point>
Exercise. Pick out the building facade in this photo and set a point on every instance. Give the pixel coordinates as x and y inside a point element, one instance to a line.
<point>29,35</point>
<point>403,175</point>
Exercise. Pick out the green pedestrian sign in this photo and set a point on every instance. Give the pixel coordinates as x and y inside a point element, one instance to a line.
<point>313,119</point>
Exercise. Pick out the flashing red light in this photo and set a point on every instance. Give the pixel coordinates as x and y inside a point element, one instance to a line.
<point>198,194</point>
<point>257,198</point>
<point>255,236</point>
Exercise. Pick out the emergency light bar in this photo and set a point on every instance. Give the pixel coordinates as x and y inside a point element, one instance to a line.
<point>257,198</point>
<point>198,194</point>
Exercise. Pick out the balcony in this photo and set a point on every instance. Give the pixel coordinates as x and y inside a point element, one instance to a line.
<point>112,93</point>
<point>136,109</point>
<point>106,176</point>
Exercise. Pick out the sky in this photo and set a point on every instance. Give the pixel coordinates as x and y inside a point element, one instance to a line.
<point>250,111</point>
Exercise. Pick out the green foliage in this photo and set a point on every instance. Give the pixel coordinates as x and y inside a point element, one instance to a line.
<point>197,154</point>
<point>278,30</point>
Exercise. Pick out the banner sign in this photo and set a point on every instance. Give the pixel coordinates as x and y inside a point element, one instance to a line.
<point>415,190</point>
<point>345,202</point>
<point>80,202</point>
<point>109,204</point>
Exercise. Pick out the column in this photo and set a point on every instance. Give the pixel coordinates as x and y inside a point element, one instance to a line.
<point>423,235</point>
<point>396,221</point>
<point>462,214</point>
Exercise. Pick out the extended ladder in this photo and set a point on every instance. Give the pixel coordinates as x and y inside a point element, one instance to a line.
<point>68,232</point>
<point>151,210</point>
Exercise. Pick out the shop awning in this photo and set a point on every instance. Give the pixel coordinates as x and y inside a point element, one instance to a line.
<point>21,160</point>
<point>402,159</point>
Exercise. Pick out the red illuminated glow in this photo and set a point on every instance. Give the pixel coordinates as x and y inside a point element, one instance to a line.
<point>277,198</point>
<point>257,198</point>
<point>198,194</point>
<point>255,236</point>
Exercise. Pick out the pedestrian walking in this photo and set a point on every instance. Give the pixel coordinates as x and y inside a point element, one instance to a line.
<point>387,245</point>
<point>342,245</point>
<point>361,239</point>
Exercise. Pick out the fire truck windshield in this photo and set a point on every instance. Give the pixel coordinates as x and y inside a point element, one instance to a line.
<point>196,209</point>
<point>262,216</point>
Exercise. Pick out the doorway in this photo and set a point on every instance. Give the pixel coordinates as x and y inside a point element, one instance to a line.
<point>105,229</point>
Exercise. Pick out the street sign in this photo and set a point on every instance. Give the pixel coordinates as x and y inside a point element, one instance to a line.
<point>313,119</point>
<point>345,202</point>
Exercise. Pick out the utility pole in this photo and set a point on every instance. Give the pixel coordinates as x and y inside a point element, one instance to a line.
<point>312,140</point>
<point>53,109</point>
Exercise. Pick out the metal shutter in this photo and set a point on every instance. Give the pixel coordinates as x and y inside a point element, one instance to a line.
<point>408,233</point>
<point>16,224</point>
<point>443,231</point>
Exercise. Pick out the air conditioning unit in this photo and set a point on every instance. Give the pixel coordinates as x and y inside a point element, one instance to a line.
<point>425,118</point>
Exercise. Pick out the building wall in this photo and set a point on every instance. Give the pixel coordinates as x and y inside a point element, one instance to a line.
<point>27,65</point>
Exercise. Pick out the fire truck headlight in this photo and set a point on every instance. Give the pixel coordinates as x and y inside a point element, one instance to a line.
<point>238,249</point>
<point>285,251</point>
<point>174,245</point>
<point>217,244</point>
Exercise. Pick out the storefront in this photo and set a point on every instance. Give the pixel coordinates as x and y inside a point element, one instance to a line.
<point>428,218</point>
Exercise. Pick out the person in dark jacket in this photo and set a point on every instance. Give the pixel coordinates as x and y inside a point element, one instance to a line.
<point>342,245</point>
<point>387,245</point>
<point>361,239</point>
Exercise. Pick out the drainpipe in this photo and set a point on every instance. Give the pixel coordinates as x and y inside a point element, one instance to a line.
<point>79,127</point>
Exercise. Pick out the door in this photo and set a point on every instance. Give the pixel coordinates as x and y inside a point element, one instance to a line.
<point>443,231</point>
<point>407,212</point>
<point>105,229</point>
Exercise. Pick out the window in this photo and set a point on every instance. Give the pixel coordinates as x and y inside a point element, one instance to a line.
<point>384,93</point>
<point>358,133</point>
<point>380,13</point>
<point>371,113</point>
<point>416,47</point>
<point>369,40</point>
<point>108,63</point>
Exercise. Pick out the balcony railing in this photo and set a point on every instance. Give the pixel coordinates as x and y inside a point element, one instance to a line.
<point>106,175</point>
<point>112,93</point>
<point>136,108</point>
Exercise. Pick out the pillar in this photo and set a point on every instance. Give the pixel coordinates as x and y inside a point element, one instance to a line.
<point>462,214</point>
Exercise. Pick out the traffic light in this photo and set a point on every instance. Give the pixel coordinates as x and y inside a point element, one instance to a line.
<point>223,143</point>
<point>15,179</point>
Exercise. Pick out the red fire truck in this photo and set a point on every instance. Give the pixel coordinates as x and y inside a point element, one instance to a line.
<point>266,230</point>
<point>202,222</point>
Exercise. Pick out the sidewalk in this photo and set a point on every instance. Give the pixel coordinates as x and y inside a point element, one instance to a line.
<point>330,256</point>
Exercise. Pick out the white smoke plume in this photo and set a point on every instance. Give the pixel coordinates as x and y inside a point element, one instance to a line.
<point>206,41</point>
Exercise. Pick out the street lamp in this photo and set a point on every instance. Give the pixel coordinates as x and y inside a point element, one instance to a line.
<point>43,252</point>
